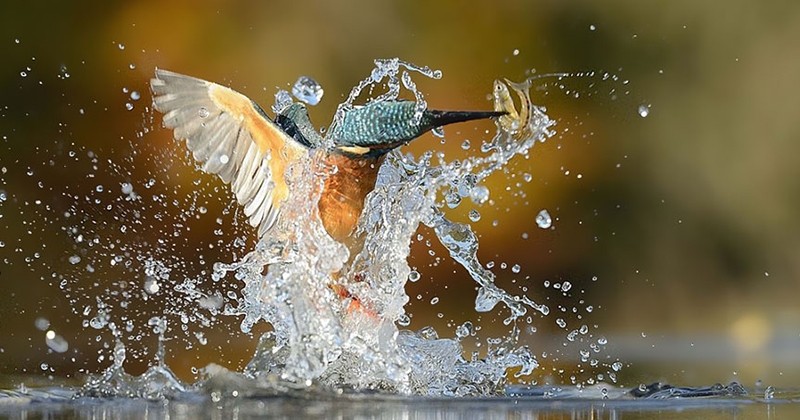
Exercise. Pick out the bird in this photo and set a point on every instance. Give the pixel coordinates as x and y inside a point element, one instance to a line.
<point>232,136</point>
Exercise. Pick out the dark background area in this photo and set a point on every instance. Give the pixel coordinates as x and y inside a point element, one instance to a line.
<point>686,217</point>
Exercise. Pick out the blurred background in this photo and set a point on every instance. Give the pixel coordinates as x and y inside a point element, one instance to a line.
<point>673,179</point>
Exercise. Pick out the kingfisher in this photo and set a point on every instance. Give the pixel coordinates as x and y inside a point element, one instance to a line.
<point>232,136</point>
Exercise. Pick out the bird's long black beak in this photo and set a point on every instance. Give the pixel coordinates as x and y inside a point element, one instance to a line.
<point>441,118</point>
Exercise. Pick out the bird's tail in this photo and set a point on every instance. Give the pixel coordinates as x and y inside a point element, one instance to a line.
<point>442,118</point>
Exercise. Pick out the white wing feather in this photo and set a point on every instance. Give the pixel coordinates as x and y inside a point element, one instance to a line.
<point>229,136</point>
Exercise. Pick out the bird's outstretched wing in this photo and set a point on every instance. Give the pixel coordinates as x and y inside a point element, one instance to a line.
<point>231,136</point>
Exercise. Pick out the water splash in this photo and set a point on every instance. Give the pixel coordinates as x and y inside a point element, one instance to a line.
<point>292,278</point>
<point>317,335</point>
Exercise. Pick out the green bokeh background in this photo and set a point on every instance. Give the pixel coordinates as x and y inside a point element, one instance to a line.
<point>688,217</point>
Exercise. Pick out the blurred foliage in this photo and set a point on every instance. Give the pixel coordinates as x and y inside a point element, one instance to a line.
<point>687,218</point>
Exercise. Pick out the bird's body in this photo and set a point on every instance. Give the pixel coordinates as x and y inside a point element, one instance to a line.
<point>230,135</point>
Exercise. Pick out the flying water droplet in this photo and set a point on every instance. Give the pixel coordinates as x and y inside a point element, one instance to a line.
<point>644,110</point>
<point>479,194</point>
<point>203,112</point>
<point>151,285</point>
<point>543,220</point>
<point>41,323</point>
<point>474,215</point>
<point>465,330</point>
<point>452,198</point>
<point>56,342</point>
<point>307,90</point>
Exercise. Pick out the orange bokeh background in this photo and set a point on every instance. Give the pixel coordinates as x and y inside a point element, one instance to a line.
<point>687,218</point>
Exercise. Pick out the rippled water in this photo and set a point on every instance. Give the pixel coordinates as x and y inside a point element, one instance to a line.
<point>723,402</point>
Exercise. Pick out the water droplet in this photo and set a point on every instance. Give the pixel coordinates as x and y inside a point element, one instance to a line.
<point>617,366</point>
<point>223,159</point>
<point>203,112</point>
<point>515,52</point>
<point>479,194</point>
<point>41,323</point>
<point>100,321</point>
<point>438,132</point>
<point>151,285</point>
<point>135,95</point>
<point>129,106</point>
<point>413,276</point>
<point>74,259</point>
<point>566,286</point>
<point>465,145</point>
<point>592,27</point>
<point>435,300</point>
<point>98,188</point>
<point>121,46</point>
<point>515,268</point>
<point>131,66</point>
<point>644,110</point>
<point>452,198</point>
<point>23,74</point>
<point>769,393</point>
<point>127,188</point>
<point>464,330</point>
<point>543,220</point>
<point>307,90</point>
<point>474,215</point>
<point>56,342</point>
